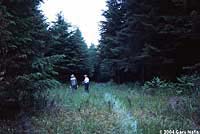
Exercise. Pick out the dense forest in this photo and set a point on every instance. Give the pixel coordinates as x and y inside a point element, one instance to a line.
<point>141,40</point>
<point>34,55</point>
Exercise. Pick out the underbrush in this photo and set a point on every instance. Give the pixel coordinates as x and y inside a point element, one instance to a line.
<point>82,113</point>
<point>169,107</point>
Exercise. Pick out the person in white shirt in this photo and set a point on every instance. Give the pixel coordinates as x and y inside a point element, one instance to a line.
<point>86,83</point>
<point>73,83</point>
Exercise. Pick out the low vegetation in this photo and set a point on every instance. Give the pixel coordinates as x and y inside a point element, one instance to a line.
<point>126,108</point>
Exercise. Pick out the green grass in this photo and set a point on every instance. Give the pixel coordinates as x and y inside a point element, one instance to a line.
<point>82,113</point>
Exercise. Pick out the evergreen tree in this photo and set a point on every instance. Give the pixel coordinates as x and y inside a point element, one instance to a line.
<point>5,47</point>
<point>80,57</point>
<point>68,41</point>
<point>24,69</point>
<point>60,45</point>
<point>110,49</point>
<point>19,52</point>
<point>93,62</point>
<point>138,30</point>
<point>148,38</point>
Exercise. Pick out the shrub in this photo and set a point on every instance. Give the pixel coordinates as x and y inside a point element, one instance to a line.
<point>150,87</point>
<point>188,85</point>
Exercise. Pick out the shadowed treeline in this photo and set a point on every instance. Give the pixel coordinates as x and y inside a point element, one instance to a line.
<point>148,38</point>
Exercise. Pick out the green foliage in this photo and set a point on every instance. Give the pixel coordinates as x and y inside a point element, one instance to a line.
<point>188,85</point>
<point>148,38</point>
<point>32,55</point>
<point>95,112</point>
<point>16,49</point>
<point>25,69</point>
<point>83,113</point>
<point>157,86</point>
<point>94,63</point>
<point>46,65</point>
<point>185,85</point>
<point>80,52</point>
<point>68,40</point>
<point>110,49</point>
<point>38,81</point>
<point>155,83</point>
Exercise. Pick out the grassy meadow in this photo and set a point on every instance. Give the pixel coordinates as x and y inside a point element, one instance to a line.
<point>113,109</point>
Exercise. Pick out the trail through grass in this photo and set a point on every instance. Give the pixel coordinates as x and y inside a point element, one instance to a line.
<point>107,109</point>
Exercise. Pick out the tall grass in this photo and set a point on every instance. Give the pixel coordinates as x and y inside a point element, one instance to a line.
<point>109,109</point>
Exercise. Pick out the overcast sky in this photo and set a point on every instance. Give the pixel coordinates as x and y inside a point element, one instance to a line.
<point>86,14</point>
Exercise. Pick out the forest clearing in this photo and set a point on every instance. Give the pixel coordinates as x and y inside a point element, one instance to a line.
<point>141,76</point>
<point>110,109</point>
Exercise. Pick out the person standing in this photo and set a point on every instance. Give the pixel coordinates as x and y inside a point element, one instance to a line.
<point>86,83</point>
<point>73,83</point>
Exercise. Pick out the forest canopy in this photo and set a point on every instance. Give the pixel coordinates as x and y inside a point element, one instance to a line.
<point>148,38</point>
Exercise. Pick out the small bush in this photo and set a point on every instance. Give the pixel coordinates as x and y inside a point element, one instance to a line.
<point>153,86</point>
<point>188,85</point>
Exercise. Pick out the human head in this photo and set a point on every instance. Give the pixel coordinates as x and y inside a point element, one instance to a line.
<point>85,75</point>
<point>72,75</point>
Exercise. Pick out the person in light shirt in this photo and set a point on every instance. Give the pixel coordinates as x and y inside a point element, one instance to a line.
<point>86,83</point>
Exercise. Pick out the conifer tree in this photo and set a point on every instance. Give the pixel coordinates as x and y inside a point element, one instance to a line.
<point>148,38</point>
<point>24,68</point>
<point>110,49</point>
<point>80,54</point>
<point>93,62</point>
<point>67,40</point>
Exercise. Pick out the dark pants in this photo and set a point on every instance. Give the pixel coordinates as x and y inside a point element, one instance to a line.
<point>87,87</point>
<point>74,87</point>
